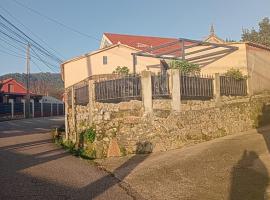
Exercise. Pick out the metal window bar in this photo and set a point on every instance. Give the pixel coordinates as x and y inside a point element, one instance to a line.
<point>81,93</point>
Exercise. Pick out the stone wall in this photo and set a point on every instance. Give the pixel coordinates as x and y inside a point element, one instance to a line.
<point>164,129</point>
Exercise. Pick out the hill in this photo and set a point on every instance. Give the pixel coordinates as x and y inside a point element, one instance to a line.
<point>41,83</point>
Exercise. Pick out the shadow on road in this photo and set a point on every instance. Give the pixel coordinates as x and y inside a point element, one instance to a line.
<point>249,182</point>
<point>249,177</point>
<point>18,185</point>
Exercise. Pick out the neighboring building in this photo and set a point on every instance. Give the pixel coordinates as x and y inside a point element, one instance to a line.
<point>116,50</point>
<point>49,99</point>
<point>12,89</point>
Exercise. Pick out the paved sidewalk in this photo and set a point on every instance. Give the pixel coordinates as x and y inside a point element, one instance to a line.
<point>235,167</point>
<point>32,167</point>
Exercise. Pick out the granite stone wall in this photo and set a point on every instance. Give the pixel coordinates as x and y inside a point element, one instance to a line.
<point>164,129</point>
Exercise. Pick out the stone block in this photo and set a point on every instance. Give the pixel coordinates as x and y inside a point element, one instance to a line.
<point>114,149</point>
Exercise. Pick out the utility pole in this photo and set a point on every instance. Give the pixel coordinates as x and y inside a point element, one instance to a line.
<point>27,101</point>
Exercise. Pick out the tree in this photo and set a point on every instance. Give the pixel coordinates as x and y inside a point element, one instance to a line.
<point>121,70</point>
<point>262,36</point>
<point>185,66</point>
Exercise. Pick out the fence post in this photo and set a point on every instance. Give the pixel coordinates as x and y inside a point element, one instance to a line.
<point>249,86</point>
<point>11,101</point>
<point>217,87</point>
<point>91,88</point>
<point>23,101</point>
<point>74,113</point>
<point>41,107</point>
<point>176,92</point>
<point>33,107</point>
<point>65,110</point>
<point>147,91</point>
<point>57,107</point>
<point>51,109</point>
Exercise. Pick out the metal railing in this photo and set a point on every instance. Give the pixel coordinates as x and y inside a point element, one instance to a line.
<point>230,86</point>
<point>81,93</point>
<point>196,86</point>
<point>118,89</point>
<point>160,86</point>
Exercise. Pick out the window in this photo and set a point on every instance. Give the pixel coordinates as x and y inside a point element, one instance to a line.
<point>105,60</point>
<point>10,88</point>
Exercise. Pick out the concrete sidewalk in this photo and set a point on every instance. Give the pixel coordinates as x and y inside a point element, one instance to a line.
<point>232,167</point>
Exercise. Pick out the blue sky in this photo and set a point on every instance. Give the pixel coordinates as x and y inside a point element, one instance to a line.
<point>171,18</point>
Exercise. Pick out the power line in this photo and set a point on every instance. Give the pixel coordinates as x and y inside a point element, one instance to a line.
<point>5,52</point>
<point>57,22</point>
<point>11,50</point>
<point>30,31</point>
<point>33,43</point>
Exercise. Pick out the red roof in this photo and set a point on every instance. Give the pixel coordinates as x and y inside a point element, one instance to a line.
<point>18,88</point>
<point>145,42</point>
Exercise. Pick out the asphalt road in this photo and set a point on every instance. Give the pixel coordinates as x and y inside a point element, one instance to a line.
<point>235,167</point>
<point>32,167</point>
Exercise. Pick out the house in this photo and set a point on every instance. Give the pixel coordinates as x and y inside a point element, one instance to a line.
<point>12,89</point>
<point>149,53</point>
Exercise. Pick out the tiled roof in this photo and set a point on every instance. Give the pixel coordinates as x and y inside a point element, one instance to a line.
<point>145,42</point>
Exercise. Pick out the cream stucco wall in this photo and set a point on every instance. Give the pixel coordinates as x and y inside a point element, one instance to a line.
<point>259,69</point>
<point>237,59</point>
<point>79,69</point>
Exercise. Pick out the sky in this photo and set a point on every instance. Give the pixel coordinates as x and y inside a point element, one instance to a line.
<point>171,18</point>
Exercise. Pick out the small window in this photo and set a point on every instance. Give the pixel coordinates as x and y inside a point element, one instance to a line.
<point>10,88</point>
<point>105,60</point>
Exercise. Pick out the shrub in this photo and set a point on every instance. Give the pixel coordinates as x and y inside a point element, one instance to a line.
<point>121,70</point>
<point>235,73</point>
<point>90,135</point>
<point>185,66</point>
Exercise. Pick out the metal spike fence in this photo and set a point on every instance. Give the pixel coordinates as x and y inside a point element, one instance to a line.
<point>82,93</point>
<point>118,89</point>
<point>196,86</point>
<point>160,86</point>
<point>230,86</point>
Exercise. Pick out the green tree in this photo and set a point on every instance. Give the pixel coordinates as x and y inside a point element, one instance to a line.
<point>121,70</point>
<point>185,66</point>
<point>262,36</point>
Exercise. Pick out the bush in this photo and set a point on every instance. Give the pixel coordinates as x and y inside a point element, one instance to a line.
<point>90,135</point>
<point>185,67</point>
<point>235,73</point>
<point>121,70</point>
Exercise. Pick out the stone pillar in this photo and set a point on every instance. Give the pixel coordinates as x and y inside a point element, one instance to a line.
<point>217,87</point>
<point>11,101</point>
<point>23,101</point>
<point>91,88</point>
<point>249,86</point>
<point>66,115</point>
<point>169,72</point>
<point>74,113</point>
<point>33,107</point>
<point>176,94</point>
<point>147,91</point>
<point>41,107</point>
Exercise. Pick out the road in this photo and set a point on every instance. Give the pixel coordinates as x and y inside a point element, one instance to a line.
<point>235,167</point>
<point>32,167</point>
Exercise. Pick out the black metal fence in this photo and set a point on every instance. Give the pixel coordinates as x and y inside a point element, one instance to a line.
<point>230,86</point>
<point>196,86</point>
<point>82,93</point>
<point>160,86</point>
<point>118,89</point>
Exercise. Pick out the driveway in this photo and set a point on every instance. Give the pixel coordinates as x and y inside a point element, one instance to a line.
<point>235,167</point>
<point>32,167</point>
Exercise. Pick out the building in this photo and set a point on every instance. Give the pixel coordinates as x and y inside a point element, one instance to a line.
<point>12,89</point>
<point>213,55</point>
